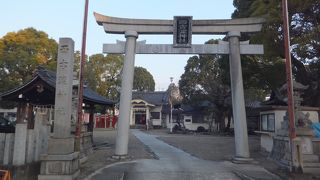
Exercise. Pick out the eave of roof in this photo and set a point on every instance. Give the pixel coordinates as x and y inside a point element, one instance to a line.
<point>49,77</point>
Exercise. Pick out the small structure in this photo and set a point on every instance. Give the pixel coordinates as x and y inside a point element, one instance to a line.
<point>40,90</point>
<point>274,132</point>
<point>147,109</point>
<point>270,121</point>
<point>105,120</point>
<point>35,118</point>
<point>152,109</point>
<point>194,118</point>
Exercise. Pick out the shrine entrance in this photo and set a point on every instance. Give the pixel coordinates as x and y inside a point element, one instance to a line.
<point>182,28</point>
<point>140,117</point>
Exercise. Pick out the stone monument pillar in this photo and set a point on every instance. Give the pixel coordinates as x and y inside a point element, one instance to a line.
<point>126,95</point>
<point>238,106</point>
<point>297,155</point>
<point>62,162</point>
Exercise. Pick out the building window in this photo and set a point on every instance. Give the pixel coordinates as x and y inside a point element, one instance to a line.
<point>155,115</point>
<point>267,122</point>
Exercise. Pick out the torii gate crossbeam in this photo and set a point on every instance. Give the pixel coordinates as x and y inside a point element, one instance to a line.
<point>221,48</point>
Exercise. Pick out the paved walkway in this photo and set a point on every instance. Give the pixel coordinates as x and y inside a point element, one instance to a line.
<point>173,163</point>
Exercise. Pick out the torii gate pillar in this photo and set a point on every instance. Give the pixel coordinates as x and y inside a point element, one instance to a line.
<point>126,94</point>
<point>238,106</point>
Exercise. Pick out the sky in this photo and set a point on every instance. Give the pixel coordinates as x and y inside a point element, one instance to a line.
<point>64,18</point>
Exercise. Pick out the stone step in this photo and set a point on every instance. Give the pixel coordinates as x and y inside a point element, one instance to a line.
<point>310,158</point>
<point>311,165</point>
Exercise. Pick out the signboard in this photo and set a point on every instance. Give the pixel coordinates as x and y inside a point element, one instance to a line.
<point>182,33</point>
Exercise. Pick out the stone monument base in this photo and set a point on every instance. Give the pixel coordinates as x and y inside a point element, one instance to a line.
<point>62,167</point>
<point>119,157</point>
<point>60,177</point>
<point>86,146</point>
<point>281,152</point>
<point>57,146</point>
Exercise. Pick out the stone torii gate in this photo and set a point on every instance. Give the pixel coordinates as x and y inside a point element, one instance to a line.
<point>182,27</point>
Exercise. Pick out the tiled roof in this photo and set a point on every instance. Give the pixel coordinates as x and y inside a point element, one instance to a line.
<point>156,98</point>
<point>49,77</point>
<point>88,94</point>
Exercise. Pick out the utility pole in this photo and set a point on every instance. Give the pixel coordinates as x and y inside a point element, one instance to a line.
<point>170,100</point>
<point>82,63</point>
<point>286,37</point>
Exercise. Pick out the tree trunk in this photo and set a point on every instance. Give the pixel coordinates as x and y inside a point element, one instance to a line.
<point>220,120</point>
<point>229,121</point>
<point>211,124</point>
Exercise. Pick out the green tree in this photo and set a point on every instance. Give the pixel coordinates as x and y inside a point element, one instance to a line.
<point>143,80</point>
<point>203,80</point>
<point>77,59</point>
<point>103,74</point>
<point>21,52</point>
<point>207,78</point>
<point>304,20</point>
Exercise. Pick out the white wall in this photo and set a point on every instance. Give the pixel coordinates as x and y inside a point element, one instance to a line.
<point>132,118</point>
<point>8,149</point>
<point>156,122</point>
<point>167,120</point>
<point>156,109</point>
<point>194,126</point>
<point>279,114</point>
<point>266,139</point>
<point>189,125</point>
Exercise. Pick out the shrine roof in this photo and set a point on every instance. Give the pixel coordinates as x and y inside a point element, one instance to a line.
<point>41,90</point>
<point>156,98</point>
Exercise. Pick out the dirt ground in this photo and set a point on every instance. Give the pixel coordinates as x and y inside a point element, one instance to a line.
<point>221,148</point>
<point>208,147</point>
